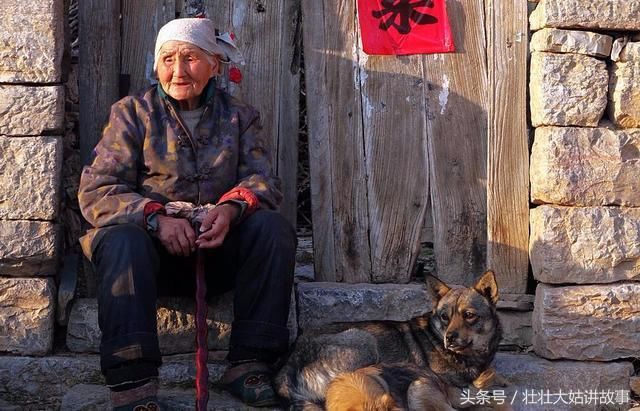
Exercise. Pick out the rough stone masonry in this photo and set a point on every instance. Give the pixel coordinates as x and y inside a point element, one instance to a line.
<point>31,119</point>
<point>585,163</point>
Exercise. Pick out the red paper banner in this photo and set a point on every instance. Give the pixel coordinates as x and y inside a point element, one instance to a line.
<point>404,26</point>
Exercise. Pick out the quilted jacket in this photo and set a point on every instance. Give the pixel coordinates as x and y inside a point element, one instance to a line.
<point>147,154</point>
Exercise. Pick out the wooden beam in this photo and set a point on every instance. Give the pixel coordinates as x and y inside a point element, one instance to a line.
<point>336,147</point>
<point>265,33</point>
<point>457,128</point>
<point>508,145</point>
<point>99,68</point>
<point>288,122</point>
<point>396,162</point>
<point>141,21</point>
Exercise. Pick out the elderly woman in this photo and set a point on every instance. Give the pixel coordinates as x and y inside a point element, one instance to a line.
<point>186,140</point>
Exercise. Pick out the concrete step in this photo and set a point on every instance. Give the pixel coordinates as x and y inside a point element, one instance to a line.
<point>85,397</point>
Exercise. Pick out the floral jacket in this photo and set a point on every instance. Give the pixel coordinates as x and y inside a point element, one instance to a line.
<point>147,156</point>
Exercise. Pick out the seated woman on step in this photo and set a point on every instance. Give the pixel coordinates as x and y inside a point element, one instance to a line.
<point>186,140</point>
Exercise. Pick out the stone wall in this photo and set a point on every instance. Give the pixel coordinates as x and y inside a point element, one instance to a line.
<point>585,179</point>
<point>31,125</point>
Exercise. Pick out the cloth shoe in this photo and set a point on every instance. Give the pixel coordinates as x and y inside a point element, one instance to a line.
<point>145,404</point>
<point>251,383</point>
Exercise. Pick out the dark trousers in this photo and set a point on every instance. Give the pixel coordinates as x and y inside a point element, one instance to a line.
<point>256,259</point>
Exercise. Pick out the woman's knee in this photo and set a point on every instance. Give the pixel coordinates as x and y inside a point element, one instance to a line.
<point>127,250</point>
<point>123,240</point>
<point>271,225</point>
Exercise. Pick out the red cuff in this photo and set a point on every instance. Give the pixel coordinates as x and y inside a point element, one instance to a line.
<point>153,207</point>
<point>242,194</point>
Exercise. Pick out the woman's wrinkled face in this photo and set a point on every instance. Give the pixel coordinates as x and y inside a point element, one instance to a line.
<point>184,70</point>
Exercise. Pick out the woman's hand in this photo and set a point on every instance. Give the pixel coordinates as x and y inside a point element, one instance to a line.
<point>215,225</point>
<point>176,235</point>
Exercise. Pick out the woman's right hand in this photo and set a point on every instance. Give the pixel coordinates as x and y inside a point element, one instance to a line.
<point>176,235</point>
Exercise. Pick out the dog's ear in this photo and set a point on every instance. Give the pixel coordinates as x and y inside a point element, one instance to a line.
<point>488,287</point>
<point>436,288</point>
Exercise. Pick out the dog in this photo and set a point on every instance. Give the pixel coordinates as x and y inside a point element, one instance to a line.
<point>422,364</point>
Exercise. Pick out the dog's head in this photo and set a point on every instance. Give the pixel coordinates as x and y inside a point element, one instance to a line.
<point>465,318</point>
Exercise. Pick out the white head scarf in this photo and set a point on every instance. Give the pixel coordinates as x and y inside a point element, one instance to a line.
<point>200,32</point>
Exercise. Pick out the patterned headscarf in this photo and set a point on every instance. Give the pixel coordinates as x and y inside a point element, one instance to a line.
<point>202,33</point>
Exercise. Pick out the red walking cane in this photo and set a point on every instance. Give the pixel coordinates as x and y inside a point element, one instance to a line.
<point>195,214</point>
<point>202,352</point>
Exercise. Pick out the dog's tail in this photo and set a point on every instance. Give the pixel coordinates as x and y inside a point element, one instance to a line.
<point>316,362</point>
<point>363,389</point>
<point>306,388</point>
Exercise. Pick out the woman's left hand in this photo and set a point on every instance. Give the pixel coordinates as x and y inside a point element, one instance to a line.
<point>215,226</point>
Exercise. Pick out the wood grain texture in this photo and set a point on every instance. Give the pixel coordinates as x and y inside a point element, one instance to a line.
<point>457,128</point>
<point>336,151</point>
<point>99,68</point>
<point>508,146</point>
<point>395,138</point>
<point>288,108</point>
<point>141,21</point>
<point>265,33</point>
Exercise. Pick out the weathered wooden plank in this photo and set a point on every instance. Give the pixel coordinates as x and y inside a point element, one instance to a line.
<point>457,129</point>
<point>265,33</point>
<point>396,162</point>
<point>99,68</point>
<point>288,107</point>
<point>141,20</point>
<point>336,148</point>
<point>508,146</point>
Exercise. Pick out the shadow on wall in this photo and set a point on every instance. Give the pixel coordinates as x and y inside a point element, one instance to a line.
<point>385,134</point>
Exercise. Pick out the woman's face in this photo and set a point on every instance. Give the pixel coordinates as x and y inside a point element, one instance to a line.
<point>184,70</point>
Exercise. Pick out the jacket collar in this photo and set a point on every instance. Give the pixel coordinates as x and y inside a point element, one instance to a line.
<point>205,97</point>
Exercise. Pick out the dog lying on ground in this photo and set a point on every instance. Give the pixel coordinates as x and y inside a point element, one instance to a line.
<point>422,364</point>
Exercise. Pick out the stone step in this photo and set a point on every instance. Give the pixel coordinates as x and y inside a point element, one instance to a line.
<point>41,382</point>
<point>321,303</point>
<point>176,324</point>
<point>46,383</point>
<point>85,397</point>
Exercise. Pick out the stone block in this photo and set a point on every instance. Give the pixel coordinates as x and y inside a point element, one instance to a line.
<point>30,111</point>
<point>28,248</point>
<point>625,51</point>
<point>587,14</point>
<point>41,382</point>
<point>567,89</point>
<point>176,325</point>
<point>516,329</point>
<point>85,397</point>
<point>325,303</point>
<point>27,307</point>
<point>634,384</point>
<point>571,41</point>
<point>583,245</point>
<point>322,303</point>
<point>585,166</point>
<point>624,94</point>
<point>587,322</point>
<point>30,172</point>
<point>531,376</point>
<point>31,41</point>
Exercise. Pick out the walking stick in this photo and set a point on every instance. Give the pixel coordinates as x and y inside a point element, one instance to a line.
<point>202,352</point>
<point>195,214</point>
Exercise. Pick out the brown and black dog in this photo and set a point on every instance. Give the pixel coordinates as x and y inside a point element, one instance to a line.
<point>422,364</point>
